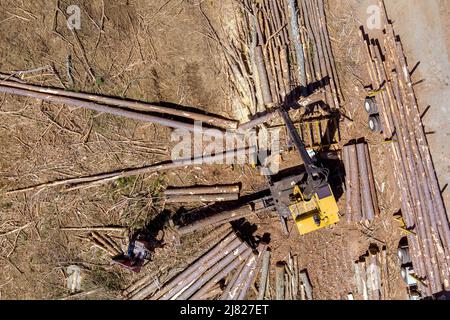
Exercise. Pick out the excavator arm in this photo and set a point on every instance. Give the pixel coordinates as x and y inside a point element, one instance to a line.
<point>311,201</point>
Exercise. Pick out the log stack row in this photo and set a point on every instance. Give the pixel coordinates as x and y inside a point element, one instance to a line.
<point>242,280</point>
<point>319,65</point>
<point>231,261</point>
<point>361,196</point>
<point>371,275</point>
<point>421,200</point>
<point>290,52</point>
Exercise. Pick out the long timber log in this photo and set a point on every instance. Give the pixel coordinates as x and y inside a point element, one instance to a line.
<point>202,198</point>
<point>202,190</point>
<point>132,105</point>
<point>365,191</point>
<point>215,269</point>
<point>230,238</point>
<point>239,260</point>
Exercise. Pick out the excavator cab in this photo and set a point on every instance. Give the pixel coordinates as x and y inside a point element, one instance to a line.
<point>312,214</point>
<point>312,203</point>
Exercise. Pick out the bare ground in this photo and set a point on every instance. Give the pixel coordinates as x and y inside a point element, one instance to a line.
<point>156,51</point>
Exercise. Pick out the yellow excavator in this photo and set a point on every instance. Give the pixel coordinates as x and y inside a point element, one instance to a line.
<point>307,196</point>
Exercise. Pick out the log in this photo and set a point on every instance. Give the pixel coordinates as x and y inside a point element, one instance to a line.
<point>354,183</point>
<point>111,248</point>
<point>101,246</point>
<point>365,191</point>
<point>307,284</point>
<point>202,190</point>
<point>232,282</point>
<point>238,289</point>
<point>137,285</point>
<point>375,82</point>
<point>373,190</point>
<point>364,274</point>
<point>214,270</point>
<point>238,261</point>
<point>253,272</point>
<point>296,278</point>
<point>134,115</point>
<point>309,70</point>
<point>348,187</point>
<point>293,15</point>
<point>334,81</point>
<point>414,173</point>
<point>212,293</point>
<point>436,219</point>
<point>219,231</point>
<point>315,97</point>
<point>151,287</point>
<point>311,42</point>
<point>264,275</point>
<point>316,33</point>
<point>279,280</point>
<point>262,74</point>
<point>399,167</point>
<point>424,150</point>
<point>374,272</point>
<point>302,293</point>
<point>113,243</point>
<point>104,229</point>
<point>417,254</point>
<point>358,278</point>
<point>428,228</point>
<point>420,132</point>
<point>195,273</point>
<point>213,252</point>
<point>94,180</point>
<point>133,105</point>
<point>202,198</point>
<point>146,291</point>
<point>287,287</point>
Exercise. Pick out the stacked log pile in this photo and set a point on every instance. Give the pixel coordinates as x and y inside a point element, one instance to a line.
<point>288,54</point>
<point>371,275</point>
<point>421,200</point>
<point>231,259</point>
<point>361,196</point>
<point>239,284</point>
<point>319,64</point>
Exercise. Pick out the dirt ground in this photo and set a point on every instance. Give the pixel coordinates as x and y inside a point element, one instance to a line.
<point>158,51</point>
